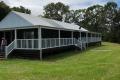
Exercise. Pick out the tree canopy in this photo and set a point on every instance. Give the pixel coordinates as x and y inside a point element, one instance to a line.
<point>56,11</point>
<point>22,9</point>
<point>104,19</point>
<point>5,9</point>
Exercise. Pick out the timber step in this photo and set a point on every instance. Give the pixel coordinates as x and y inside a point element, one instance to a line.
<point>2,55</point>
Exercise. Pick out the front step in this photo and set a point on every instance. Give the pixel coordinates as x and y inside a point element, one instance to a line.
<point>2,55</point>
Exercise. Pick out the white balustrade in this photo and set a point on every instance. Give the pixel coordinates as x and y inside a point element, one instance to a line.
<point>33,44</point>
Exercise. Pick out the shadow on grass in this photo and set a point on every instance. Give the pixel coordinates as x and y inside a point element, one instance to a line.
<point>54,56</point>
<point>62,55</point>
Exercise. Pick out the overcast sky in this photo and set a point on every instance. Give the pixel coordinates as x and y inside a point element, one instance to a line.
<point>36,6</point>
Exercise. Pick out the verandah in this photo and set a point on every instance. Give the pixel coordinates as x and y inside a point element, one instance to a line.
<point>40,38</point>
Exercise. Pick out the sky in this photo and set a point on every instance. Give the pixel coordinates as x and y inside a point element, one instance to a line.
<point>36,6</point>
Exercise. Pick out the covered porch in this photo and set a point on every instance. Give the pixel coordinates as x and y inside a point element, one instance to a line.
<point>44,38</point>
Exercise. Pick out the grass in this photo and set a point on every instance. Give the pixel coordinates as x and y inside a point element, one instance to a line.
<point>97,63</point>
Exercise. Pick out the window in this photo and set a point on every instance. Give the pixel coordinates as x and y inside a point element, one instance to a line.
<point>29,35</point>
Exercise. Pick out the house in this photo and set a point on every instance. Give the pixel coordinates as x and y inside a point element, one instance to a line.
<point>26,32</point>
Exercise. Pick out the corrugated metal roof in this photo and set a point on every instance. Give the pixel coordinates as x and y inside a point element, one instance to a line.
<point>17,19</point>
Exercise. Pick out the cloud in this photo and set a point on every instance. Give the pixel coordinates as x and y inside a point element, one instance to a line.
<point>36,6</point>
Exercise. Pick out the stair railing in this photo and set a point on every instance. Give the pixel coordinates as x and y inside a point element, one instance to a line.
<point>9,48</point>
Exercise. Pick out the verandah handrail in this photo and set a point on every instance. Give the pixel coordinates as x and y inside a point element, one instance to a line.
<point>48,43</point>
<point>9,48</point>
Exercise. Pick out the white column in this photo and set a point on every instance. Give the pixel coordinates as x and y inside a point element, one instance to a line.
<point>72,37</point>
<point>91,37</point>
<point>87,38</point>
<point>11,36</point>
<point>59,38</point>
<point>81,41</point>
<point>100,37</point>
<point>80,36</point>
<point>15,32</point>
<point>40,42</point>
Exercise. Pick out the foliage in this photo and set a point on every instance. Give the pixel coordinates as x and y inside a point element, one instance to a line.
<point>104,19</point>
<point>98,18</point>
<point>56,11</point>
<point>21,9</point>
<point>4,10</point>
<point>115,30</point>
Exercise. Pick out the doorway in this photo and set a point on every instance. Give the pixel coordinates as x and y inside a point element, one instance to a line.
<point>9,36</point>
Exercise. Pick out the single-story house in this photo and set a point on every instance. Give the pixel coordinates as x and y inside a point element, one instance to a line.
<point>27,32</point>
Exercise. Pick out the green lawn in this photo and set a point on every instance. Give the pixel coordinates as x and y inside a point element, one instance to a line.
<point>100,63</point>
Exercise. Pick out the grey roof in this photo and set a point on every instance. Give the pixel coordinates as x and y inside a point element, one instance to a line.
<point>17,19</point>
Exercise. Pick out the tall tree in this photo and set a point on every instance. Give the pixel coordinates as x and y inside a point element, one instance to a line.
<point>115,29</point>
<point>56,11</point>
<point>93,18</point>
<point>4,10</point>
<point>75,16</point>
<point>110,10</point>
<point>22,9</point>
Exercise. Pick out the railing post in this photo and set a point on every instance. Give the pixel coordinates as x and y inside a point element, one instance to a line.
<point>40,41</point>
<point>6,52</point>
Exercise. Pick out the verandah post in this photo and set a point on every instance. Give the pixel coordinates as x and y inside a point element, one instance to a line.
<point>81,40</point>
<point>15,32</point>
<point>59,38</point>
<point>72,37</point>
<point>40,41</point>
<point>87,39</point>
<point>91,37</point>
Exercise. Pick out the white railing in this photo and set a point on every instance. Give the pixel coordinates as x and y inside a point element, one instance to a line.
<point>27,43</point>
<point>56,42</point>
<point>49,43</point>
<point>9,48</point>
<point>52,42</point>
<point>45,43</point>
<point>94,39</point>
<point>66,41</point>
<point>83,42</point>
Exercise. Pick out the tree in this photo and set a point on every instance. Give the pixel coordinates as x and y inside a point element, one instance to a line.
<point>93,19</point>
<point>75,16</point>
<point>4,10</point>
<point>56,11</point>
<point>22,9</point>
<point>115,30</point>
<point>110,11</point>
